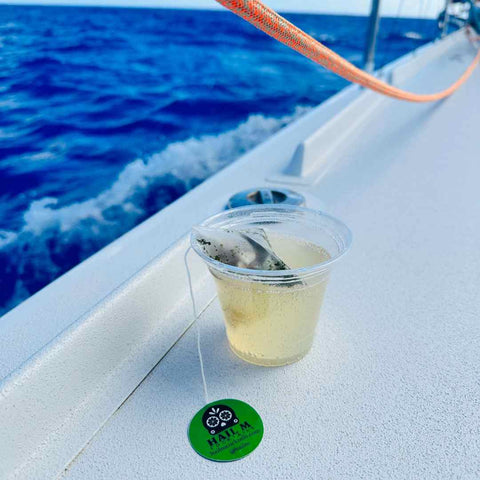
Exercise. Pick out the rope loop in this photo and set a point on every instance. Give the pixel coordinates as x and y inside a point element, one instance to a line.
<point>270,22</point>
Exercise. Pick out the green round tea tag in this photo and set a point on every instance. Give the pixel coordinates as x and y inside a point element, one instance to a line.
<point>225,430</point>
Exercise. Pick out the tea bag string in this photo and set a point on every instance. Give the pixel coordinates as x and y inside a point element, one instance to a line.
<point>196,317</point>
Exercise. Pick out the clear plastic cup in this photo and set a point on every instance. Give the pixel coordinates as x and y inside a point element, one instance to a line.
<point>271,315</point>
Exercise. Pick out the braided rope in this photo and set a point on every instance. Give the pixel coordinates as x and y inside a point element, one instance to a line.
<point>270,22</point>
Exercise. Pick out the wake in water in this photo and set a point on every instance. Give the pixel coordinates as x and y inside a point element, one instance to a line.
<point>53,240</point>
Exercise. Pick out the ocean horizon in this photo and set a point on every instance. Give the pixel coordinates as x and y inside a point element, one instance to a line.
<point>107,115</point>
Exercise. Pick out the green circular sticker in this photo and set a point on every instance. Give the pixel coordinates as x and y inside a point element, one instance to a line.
<point>225,430</point>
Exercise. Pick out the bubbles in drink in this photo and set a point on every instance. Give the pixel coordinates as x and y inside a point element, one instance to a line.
<point>272,323</point>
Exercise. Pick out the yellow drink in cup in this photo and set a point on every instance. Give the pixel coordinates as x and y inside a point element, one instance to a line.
<point>271,315</point>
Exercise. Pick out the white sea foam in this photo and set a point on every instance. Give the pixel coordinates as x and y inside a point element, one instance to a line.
<point>189,160</point>
<point>49,233</point>
<point>7,238</point>
<point>413,35</point>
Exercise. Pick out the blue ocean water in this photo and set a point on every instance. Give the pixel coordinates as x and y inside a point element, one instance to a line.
<point>107,115</point>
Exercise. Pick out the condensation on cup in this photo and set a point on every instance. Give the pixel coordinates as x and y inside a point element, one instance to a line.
<point>271,266</point>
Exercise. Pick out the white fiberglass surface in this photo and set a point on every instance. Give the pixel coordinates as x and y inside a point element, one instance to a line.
<point>390,386</point>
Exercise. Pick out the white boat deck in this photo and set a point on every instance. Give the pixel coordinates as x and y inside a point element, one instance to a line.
<point>391,387</point>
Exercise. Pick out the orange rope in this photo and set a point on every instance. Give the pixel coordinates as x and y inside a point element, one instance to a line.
<point>267,20</point>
